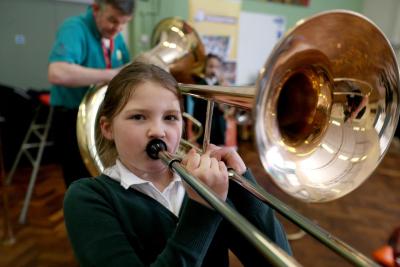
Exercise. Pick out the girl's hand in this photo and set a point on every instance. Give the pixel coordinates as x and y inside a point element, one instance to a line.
<point>228,155</point>
<point>210,171</point>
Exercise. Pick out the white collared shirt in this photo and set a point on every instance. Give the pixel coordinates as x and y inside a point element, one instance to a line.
<point>211,81</point>
<point>171,197</point>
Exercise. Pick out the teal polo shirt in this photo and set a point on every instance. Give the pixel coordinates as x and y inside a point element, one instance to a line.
<point>78,41</point>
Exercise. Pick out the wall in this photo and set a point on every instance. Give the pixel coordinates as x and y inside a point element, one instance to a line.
<point>293,13</point>
<point>385,13</point>
<point>148,14</point>
<point>34,23</point>
<point>25,65</point>
<point>27,32</point>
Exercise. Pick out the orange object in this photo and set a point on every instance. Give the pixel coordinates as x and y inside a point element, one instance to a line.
<point>45,98</point>
<point>384,256</point>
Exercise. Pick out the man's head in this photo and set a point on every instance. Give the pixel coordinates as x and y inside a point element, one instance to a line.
<point>112,15</point>
<point>213,66</point>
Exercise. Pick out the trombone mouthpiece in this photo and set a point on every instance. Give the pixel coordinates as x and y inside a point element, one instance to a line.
<point>154,147</point>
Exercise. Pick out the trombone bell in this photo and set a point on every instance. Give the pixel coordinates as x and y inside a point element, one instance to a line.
<point>324,107</point>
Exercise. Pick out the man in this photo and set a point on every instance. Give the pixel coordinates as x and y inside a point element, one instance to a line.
<point>212,76</point>
<point>89,50</point>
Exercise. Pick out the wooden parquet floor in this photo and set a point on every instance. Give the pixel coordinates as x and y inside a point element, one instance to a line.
<point>364,219</point>
<point>42,240</point>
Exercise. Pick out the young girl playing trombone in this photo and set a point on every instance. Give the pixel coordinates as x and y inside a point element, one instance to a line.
<point>139,212</point>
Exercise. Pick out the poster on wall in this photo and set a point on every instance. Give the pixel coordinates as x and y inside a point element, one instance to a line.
<point>258,34</point>
<point>217,24</point>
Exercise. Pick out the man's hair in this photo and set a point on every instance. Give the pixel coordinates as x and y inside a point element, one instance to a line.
<point>211,55</point>
<point>127,7</point>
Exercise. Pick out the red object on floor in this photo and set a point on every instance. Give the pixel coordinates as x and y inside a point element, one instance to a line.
<point>384,256</point>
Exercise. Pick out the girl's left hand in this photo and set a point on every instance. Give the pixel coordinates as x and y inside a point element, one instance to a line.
<point>228,155</point>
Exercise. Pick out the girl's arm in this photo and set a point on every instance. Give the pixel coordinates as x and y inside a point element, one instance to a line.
<point>254,210</point>
<point>97,230</point>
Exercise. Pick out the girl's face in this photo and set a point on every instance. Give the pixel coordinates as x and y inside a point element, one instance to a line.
<point>151,112</point>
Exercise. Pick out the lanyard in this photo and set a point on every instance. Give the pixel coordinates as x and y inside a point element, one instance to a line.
<point>107,52</point>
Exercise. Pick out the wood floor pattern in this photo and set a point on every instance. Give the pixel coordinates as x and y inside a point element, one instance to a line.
<point>42,240</point>
<point>363,219</point>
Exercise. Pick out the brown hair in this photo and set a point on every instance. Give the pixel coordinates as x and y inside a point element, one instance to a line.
<point>127,7</point>
<point>119,90</point>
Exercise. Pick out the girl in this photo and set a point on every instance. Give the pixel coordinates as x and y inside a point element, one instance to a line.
<point>140,213</point>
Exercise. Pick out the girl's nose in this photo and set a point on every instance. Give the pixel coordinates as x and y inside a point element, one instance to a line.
<point>156,130</point>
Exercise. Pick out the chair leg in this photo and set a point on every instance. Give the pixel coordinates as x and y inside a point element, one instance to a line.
<point>36,165</point>
<point>21,150</point>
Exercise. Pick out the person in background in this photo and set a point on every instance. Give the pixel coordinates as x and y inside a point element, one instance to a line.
<point>139,212</point>
<point>89,50</point>
<point>212,76</point>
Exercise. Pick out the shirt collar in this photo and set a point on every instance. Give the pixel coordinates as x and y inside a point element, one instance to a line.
<point>128,179</point>
<point>211,80</point>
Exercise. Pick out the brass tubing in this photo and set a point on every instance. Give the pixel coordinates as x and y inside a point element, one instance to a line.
<point>270,251</point>
<point>238,96</point>
<point>338,246</point>
<point>207,128</point>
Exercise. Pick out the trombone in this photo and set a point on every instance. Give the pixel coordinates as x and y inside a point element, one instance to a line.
<point>324,108</point>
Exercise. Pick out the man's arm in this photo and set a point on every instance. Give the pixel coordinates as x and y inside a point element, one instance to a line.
<point>73,75</point>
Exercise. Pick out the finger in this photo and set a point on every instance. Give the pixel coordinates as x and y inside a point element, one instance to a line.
<point>186,157</point>
<point>212,147</point>
<point>205,161</point>
<point>214,165</point>
<point>221,153</point>
<point>193,161</point>
<point>222,167</point>
<point>213,150</point>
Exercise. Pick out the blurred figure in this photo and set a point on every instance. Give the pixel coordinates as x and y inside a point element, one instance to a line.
<point>212,75</point>
<point>89,49</point>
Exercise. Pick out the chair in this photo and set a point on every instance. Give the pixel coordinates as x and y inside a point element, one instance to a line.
<point>35,140</point>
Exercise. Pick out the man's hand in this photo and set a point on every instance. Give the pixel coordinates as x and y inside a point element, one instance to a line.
<point>73,75</point>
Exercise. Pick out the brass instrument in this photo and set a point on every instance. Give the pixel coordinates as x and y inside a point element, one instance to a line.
<point>324,111</point>
<point>178,48</point>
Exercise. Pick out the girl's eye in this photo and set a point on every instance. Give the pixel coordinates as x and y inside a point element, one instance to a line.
<point>137,117</point>
<point>171,118</point>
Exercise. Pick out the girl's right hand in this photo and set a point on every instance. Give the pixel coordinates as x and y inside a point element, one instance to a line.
<point>210,171</point>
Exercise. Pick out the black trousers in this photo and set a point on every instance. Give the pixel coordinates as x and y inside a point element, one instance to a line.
<point>218,125</point>
<point>66,143</point>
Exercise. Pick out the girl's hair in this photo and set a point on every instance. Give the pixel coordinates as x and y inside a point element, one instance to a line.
<point>119,90</point>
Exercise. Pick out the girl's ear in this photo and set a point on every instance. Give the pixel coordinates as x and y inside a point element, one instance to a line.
<point>106,129</point>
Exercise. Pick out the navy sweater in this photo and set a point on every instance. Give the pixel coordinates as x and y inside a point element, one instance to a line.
<point>111,226</point>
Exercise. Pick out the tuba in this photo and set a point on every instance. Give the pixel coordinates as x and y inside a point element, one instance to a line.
<point>176,47</point>
<point>324,111</point>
